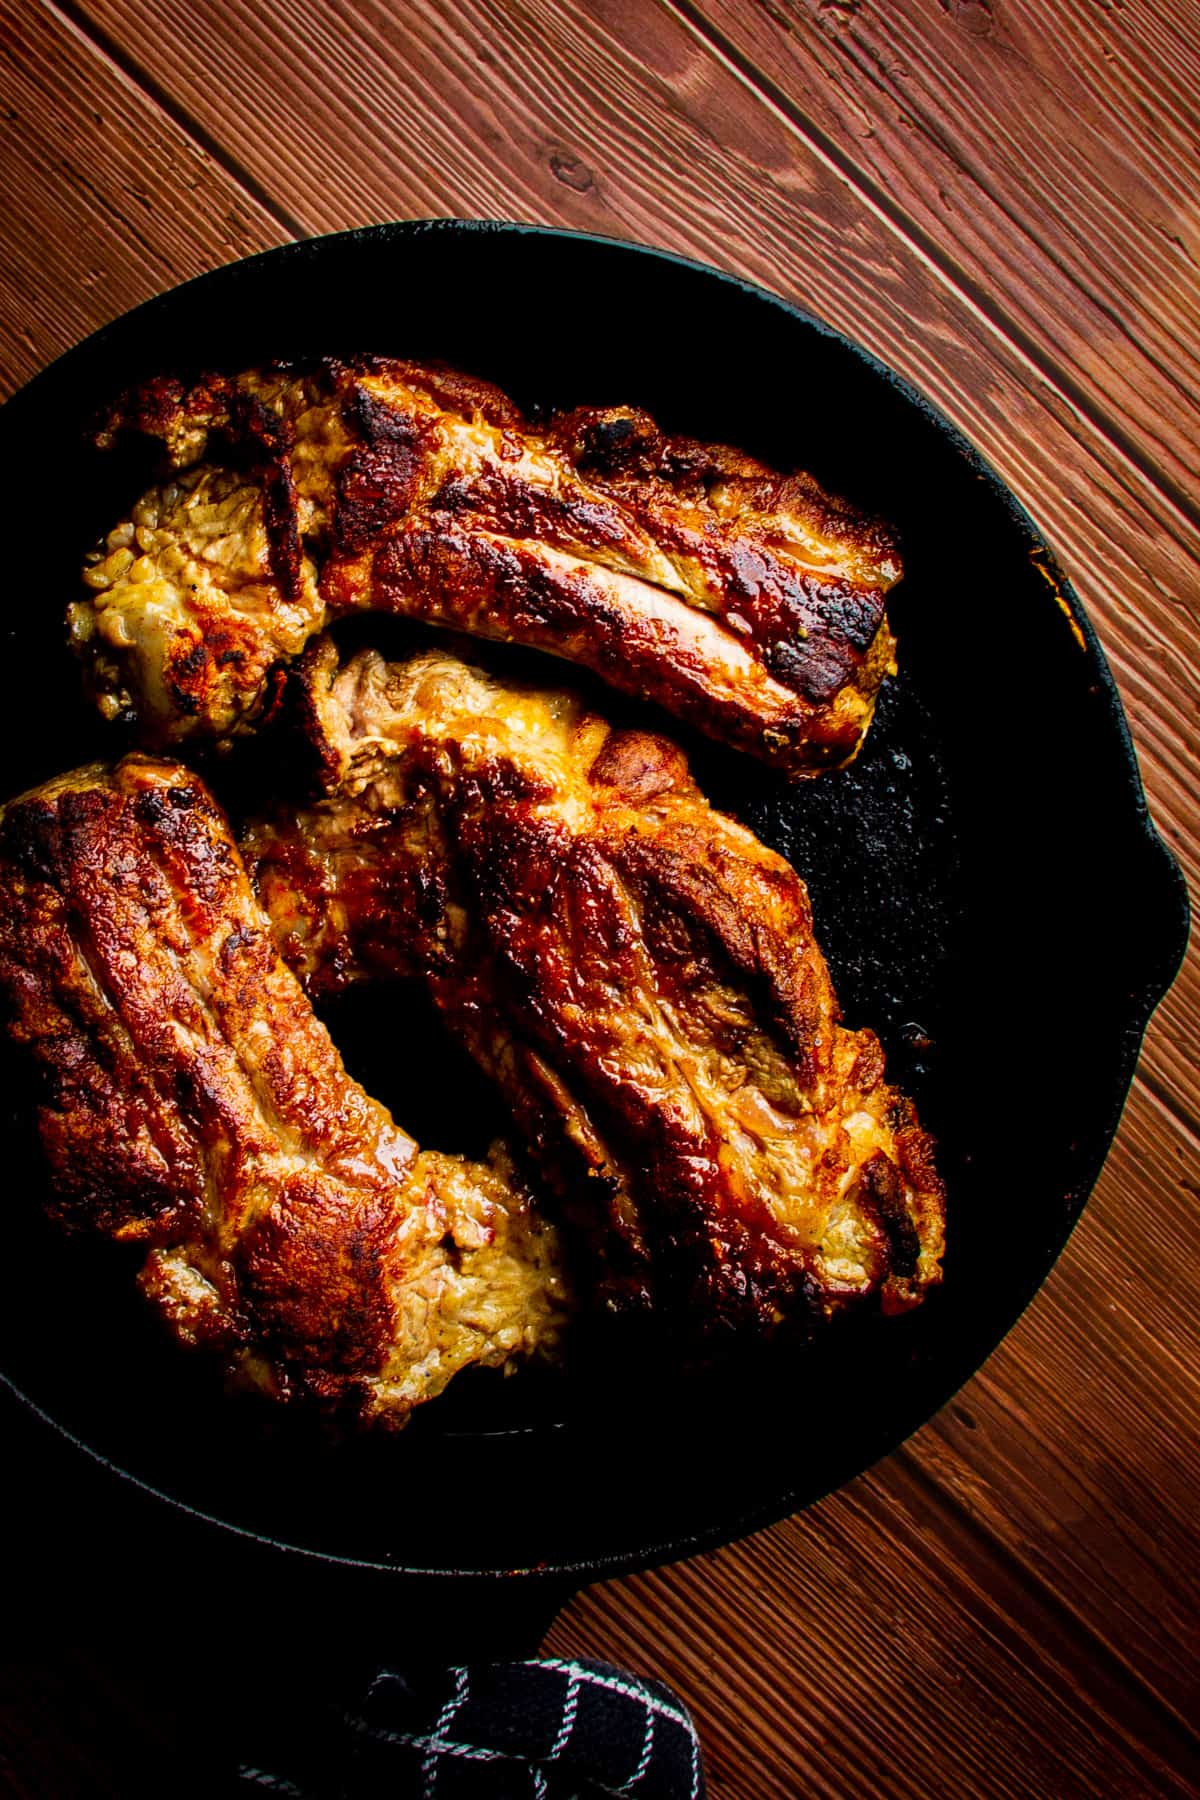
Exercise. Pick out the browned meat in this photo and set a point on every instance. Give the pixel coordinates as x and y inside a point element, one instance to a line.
<point>637,972</point>
<point>192,1101</point>
<point>748,603</point>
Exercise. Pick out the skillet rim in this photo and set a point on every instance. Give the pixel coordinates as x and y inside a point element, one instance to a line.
<point>1160,883</point>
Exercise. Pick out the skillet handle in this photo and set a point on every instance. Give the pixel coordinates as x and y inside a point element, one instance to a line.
<point>1164,928</point>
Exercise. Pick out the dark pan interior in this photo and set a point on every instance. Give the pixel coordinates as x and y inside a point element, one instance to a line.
<point>988,888</point>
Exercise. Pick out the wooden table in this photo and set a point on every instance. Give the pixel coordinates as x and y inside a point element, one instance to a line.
<point>1001,199</point>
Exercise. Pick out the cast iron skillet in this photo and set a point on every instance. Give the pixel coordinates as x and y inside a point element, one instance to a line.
<point>988,886</point>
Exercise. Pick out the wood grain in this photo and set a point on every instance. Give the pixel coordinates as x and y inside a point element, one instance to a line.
<point>107,201</point>
<point>903,1658</point>
<point>1076,1447</point>
<point>1059,1484</point>
<point>497,99</point>
<point>1116,564</point>
<point>1053,174</point>
<point>1009,1605</point>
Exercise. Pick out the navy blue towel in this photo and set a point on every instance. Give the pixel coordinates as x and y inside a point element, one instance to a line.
<point>539,1730</point>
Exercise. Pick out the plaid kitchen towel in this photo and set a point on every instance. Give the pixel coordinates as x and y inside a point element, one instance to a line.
<point>539,1730</point>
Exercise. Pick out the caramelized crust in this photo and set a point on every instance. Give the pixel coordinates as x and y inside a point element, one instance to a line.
<point>192,1101</point>
<point>748,603</point>
<point>636,971</point>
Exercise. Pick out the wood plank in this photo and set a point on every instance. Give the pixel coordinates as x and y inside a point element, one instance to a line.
<point>110,1741</point>
<point>798,239</point>
<point>529,111</point>
<point>1073,1458</point>
<point>1077,1447</point>
<point>1138,1208</point>
<point>1054,172</point>
<point>904,1658</point>
<point>107,201</point>
<point>1172,1066</point>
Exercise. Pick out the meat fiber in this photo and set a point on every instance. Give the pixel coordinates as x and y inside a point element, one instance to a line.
<point>748,603</point>
<point>638,974</point>
<point>191,1101</point>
